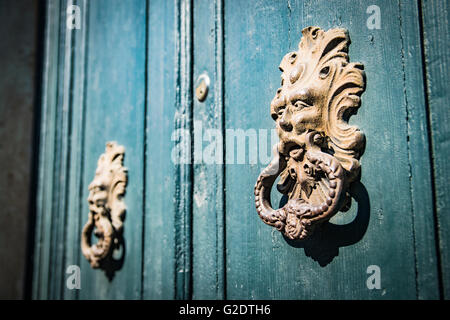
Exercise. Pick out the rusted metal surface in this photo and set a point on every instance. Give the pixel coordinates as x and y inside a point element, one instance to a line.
<point>318,154</point>
<point>106,208</point>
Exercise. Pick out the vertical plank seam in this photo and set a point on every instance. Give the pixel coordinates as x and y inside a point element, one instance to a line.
<point>183,173</point>
<point>177,7</point>
<point>76,57</point>
<point>144,160</point>
<point>42,155</point>
<point>61,157</point>
<point>84,62</point>
<point>408,148</point>
<point>53,8</point>
<point>70,58</point>
<point>69,73</point>
<point>426,86</point>
<point>189,190</point>
<point>219,96</point>
<point>83,131</point>
<point>56,185</point>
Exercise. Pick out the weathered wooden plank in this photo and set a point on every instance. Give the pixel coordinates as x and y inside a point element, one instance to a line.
<point>76,188</point>
<point>183,171</point>
<point>435,15</point>
<point>61,164</point>
<point>44,197</point>
<point>159,242</point>
<point>260,264</point>
<point>418,148</point>
<point>115,111</point>
<point>208,189</point>
<point>255,41</point>
<point>396,235</point>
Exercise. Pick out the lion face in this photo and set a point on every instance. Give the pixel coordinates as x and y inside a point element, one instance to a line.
<point>300,102</point>
<point>319,89</point>
<point>106,207</point>
<point>318,154</point>
<point>98,197</point>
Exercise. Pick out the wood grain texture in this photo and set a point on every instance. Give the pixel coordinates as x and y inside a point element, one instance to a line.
<point>44,198</point>
<point>61,165</point>
<point>208,191</point>
<point>168,205</point>
<point>183,171</point>
<point>115,111</point>
<point>191,230</point>
<point>76,189</point>
<point>435,15</point>
<point>260,263</point>
<point>160,211</point>
<point>418,152</point>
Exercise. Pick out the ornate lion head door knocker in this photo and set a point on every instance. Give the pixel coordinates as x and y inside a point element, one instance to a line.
<point>318,154</point>
<point>106,207</point>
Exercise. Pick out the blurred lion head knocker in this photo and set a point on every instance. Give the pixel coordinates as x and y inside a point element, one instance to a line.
<point>106,207</point>
<point>318,153</point>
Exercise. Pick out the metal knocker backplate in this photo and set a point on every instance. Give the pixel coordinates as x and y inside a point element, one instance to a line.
<point>318,154</point>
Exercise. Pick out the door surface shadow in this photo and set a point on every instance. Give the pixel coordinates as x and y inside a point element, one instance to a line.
<point>324,244</point>
<point>114,262</point>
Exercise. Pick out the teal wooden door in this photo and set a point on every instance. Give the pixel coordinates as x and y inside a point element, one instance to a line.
<point>191,231</point>
<point>387,224</point>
